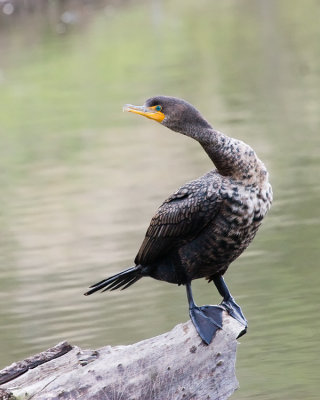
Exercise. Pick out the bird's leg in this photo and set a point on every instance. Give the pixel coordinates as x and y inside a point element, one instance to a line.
<point>229,304</point>
<point>206,319</point>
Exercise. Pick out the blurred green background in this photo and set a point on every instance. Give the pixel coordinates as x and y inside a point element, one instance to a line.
<point>80,180</point>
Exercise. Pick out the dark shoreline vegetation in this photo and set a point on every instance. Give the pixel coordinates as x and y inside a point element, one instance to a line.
<point>59,16</point>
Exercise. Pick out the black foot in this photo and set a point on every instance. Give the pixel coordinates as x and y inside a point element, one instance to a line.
<point>229,304</point>
<point>235,311</point>
<point>207,320</point>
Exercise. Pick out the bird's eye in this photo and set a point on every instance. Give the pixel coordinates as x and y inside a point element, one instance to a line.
<point>158,108</point>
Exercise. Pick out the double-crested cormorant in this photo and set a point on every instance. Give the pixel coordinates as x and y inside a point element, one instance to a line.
<point>207,223</point>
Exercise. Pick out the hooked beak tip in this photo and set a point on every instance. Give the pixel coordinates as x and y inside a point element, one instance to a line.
<point>126,107</point>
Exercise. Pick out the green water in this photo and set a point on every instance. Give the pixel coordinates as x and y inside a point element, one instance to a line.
<point>80,180</point>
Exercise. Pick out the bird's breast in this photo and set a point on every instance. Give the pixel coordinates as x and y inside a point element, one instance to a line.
<point>230,232</point>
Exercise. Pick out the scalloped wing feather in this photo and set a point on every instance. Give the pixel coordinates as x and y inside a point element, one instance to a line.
<point>180,218</point>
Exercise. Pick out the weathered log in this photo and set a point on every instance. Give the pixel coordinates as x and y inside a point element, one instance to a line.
<point>175,365</point>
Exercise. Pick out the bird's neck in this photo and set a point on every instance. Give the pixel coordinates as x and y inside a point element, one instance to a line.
<point>231,157</point>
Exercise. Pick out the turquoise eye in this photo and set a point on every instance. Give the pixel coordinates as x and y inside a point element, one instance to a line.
<point>158,108</point>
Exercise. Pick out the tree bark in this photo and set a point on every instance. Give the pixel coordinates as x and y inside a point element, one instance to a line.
<point>176,365</point>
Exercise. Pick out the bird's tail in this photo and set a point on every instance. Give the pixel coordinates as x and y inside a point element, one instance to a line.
<point>121,280</point>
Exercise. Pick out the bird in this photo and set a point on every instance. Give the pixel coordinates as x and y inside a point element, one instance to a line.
<point>207,223</point>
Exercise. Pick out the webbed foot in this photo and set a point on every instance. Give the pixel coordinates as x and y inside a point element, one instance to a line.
<point>207,320</point>
<point>235,311</point>
<point>229,304</point>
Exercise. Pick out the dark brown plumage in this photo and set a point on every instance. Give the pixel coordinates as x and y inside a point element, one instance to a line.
<point>206,224</point>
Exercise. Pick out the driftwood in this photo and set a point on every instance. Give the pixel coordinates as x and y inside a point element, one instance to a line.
<point>175,365</point>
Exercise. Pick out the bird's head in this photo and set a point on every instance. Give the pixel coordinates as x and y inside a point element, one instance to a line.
<point>174,113</point>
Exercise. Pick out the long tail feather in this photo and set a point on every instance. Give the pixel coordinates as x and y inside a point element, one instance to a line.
<point>134,280</point>
<point>122,280</point>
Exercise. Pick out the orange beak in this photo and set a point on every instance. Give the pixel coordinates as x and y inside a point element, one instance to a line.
<point>149,112</point>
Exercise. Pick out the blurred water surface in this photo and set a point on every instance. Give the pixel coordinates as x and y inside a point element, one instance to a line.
<point>80,180</point>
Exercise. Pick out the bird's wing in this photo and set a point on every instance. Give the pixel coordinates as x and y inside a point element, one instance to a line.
<point>180,218</point>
